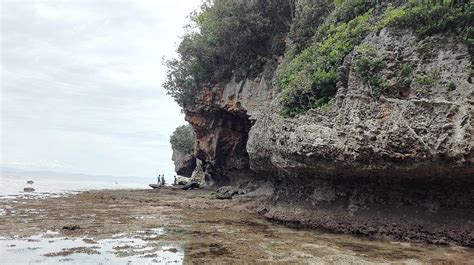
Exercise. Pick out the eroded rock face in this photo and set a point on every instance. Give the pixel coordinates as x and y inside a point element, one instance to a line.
<point>221,124</point>
<point>198,174</point>
<point>399,165</point>
<point>184,164</point>
<point>417,131</point>
<point>425,131</point>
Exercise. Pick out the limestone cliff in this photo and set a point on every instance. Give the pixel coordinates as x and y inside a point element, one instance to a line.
<point>222,125</point>
<point>389,155</point>
<point>422,131</point>
<point>339,166</point>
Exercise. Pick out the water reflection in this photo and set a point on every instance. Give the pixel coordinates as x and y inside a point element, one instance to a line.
<point>50,248</point>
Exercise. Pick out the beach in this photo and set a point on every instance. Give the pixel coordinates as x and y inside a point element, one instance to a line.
<point>173,226</point>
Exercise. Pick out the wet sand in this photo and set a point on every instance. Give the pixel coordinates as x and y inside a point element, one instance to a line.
<point>175,226</point>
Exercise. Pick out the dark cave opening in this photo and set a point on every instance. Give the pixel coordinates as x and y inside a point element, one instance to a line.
<point>221,141</point>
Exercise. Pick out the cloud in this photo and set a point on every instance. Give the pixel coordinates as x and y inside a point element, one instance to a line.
<point>81,84</point>
<point>41,164</point>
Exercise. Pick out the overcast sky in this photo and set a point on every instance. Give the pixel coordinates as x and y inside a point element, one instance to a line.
<point>81,85</point>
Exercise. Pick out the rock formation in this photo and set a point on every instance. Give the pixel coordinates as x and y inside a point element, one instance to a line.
<point>393,163</point>
<point>184,164</point>
<point>394,166</point>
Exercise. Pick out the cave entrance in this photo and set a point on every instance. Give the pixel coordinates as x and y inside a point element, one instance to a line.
<point>221,144</point>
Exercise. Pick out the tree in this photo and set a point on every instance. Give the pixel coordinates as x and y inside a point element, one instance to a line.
<point>182,139</point>
<point>227,38</point>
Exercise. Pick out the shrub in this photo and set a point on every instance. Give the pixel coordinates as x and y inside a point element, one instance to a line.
<point>430,79</point>
<point>309,79</point>
<point>349,9</point>
<point>309,15</point>
<point>451,86</point>
<point>389,17</point>
<point>405,75</point>
<point>430,18</point>
<point>368,65</point>
<point>182,139</point>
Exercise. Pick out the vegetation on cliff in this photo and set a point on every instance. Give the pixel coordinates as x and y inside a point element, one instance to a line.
<point>225,39</point>
<point>308,78</point>
<point>243,39</point>
<point>182,139</point>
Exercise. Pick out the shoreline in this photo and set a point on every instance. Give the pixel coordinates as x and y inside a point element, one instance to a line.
<point>198,226</point>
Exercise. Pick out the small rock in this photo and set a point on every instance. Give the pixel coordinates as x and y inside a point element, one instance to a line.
<point>30,182</point>
<point>191,186</point>
<point>226,192</point>
<point>172,250</point>
<point>89,241</point>
<point>71,227</point>
<point>28,189</point>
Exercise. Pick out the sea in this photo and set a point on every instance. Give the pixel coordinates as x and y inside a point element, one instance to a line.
<point>47,183</point>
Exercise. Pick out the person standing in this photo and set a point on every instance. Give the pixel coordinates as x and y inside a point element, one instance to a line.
<point>174,179</point>
<point>159,179</point>
<point>163,180</point>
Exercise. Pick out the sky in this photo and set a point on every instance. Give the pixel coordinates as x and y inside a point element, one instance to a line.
<point>81,85</point>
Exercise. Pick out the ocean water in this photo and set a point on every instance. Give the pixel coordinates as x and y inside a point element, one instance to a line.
<point>52,248</point>
<point>47,184</point>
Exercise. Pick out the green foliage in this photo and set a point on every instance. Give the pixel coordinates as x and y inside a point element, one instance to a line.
<point>227,38</point>
<point>338,3</point>
<point>390,16</point>
<point>182,139</point>
<point>368,65</point>
<point>244,38</point>
<point>429,80</point>
<point>430,18</point>
<point>309,79</point>
<point>451,86</point>
<point>180,83</point>
<point>309,15</point>
<point>405,75</point>
<point>349,9</point>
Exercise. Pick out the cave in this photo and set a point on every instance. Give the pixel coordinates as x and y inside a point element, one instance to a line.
<point>221,140</point>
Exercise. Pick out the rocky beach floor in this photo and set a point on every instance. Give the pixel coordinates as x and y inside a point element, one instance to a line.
<point>175,226</point>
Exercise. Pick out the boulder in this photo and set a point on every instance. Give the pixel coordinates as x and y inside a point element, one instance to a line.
<point>182,180</point>
<point>227,192</point>
<point>71,227</point>
<point>191,186</point>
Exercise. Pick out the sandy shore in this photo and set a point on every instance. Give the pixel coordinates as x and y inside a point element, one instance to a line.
<point>195,224</point>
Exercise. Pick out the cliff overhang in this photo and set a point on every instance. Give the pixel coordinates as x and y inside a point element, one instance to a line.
<point>397,166</point>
